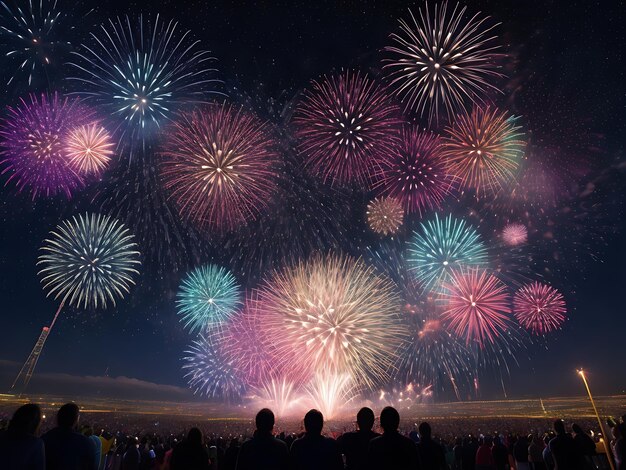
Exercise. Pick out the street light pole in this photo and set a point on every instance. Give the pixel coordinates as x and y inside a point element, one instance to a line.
<point>607,445</point>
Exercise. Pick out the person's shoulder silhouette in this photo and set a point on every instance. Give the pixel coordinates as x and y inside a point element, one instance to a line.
<point>314,451</point>
<point>263,451</point>
<point>353,445</point>
<point>392,451</point>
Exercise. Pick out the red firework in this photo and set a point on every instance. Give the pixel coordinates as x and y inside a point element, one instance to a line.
<point>539,308</point>
<point>477,306</point>
<point>219,164</point>
<point>515,234</point>
<point>416,173</point>
<point>346,125</point>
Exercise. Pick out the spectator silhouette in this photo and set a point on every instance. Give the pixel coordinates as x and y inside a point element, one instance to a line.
<point>520,453</point>
<point>354,444</point>
<point>20,448</point>
<point>432,455</point>
<point>67,449</point>
<point>584,442</point>
<point>392,451</point>
<point>231,454</point>
<point>263,451</point>
<point>484,455</point>
<point>132,457</point>
<point>564,450</point>
<point>314,451</point>
<point>618,446</point>
<point>535,453</point>
<point>500,454</point>
<point>190,454</point>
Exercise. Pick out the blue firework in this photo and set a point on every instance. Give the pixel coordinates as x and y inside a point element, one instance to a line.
<point>208,297</point>
<point>139,72</point>
<point>210,371</point>
<point>441,246</point>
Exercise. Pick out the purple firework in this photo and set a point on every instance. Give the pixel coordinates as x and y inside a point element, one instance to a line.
<point>33,146</point>
<point>346,124</point>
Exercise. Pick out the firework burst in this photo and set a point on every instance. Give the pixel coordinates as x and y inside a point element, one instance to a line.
<point>515,234</point>
<point>539,308</point>
<point>440,61</point>
<point>89,260</point>
<point>89,149</point>
<point>385,215</point>
<point>441,246</point>
<point>483,150</point>
<point>33,145</point>
<point>346,125</point>
<point>476,306</point>
<point>333,312</point>
<point>139,72</point>
<point>330,392</point>
<point>277,394</point>
<point>416,173</point>
<point>218,164</point>
<point>209,296</point>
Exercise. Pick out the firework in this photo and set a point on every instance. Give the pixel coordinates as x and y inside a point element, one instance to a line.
<point>476,306</point>
<point>441,61</point>
<point>441,246</point>
<point>346,125</point>
<point>209,296</point>
<point>333,312</point>
<point>330,392</point>
<point>483,149</point>
<point>28,36</point>
<point>515,234</point>
<point>277,394</point>
<point>416,173</point>
<point>218,164</point>
<point>89,149</point>
<point>139,72</point>
<point>210,372</point>
<point>90,260</point>
<point>539,308</point>
<point>33,150</point>
<point>385,215</point>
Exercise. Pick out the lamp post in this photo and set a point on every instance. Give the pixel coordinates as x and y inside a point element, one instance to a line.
<point>607,445</point>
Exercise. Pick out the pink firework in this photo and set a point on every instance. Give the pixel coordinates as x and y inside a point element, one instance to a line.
<point>416,173</point>
<point>219,163</point>
<point>33,148</point>
<point>89,149</point>
<point>539,308</point>
<point>515,234</point>
<point>346,125</point>
<point>476,306</point>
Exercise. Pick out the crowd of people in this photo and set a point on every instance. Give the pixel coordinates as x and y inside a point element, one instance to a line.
<point>70,446</point>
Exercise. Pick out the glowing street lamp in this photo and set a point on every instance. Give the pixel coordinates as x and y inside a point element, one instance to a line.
<point>607,446</point>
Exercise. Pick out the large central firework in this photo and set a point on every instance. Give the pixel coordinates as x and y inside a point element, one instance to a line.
<point>333,312</point>
<point>219,164</point>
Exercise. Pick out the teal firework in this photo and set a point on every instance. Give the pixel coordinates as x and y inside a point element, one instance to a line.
<point>208,296</point>
<point>442,245</point>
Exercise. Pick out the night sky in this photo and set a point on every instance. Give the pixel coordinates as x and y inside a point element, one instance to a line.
<point>565,78</point>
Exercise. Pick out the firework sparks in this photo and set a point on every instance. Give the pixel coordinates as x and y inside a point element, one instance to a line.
<point>539,308</point>
<point>441,61</point>
<point>515,234</point>
<point>218,164</point>
<point>209,296</point>
<point>89,260</point>
<point>330,392</point>
<point>333,312</point>
<point>476,306</point>
<point>89,149</point>
<point>279,395</point>
<point>346,125</point>
<point>441,246</point>
<point>483,149</point>
<point>385,215</point>
<point>416,174</point>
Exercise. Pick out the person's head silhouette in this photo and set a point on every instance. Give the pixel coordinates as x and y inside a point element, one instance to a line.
<point>425,430</point>
<point>389,419</point>
<point>25,420</point>
<point>559,426</point>
<point>313,423</point>
<point>67,416</point>
<point>264,421</point>
<point>194,437</point>
<point>365,419</point>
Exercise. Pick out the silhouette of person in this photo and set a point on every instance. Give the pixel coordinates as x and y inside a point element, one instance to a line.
<point>392,451</point>
<point>314,451</point>
<point>67,449</point>
<point>263,451</point>
<point>191,453</point>
<point>564,450</point>
<point>432,455</point>
<point>354,444</point>
<point>19,446</point>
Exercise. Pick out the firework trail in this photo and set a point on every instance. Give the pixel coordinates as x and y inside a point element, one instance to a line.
<point>346,125</point>
<point>219,166</point>
<point>208,297</point>
<point>90,260</point>
<point>440,61</point>
<point>539,308</point>
<point>89,149</point>
<point>330,392</point>
<point>385,215</point>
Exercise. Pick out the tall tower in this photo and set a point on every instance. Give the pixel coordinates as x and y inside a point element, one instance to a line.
<point>26,372</point>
